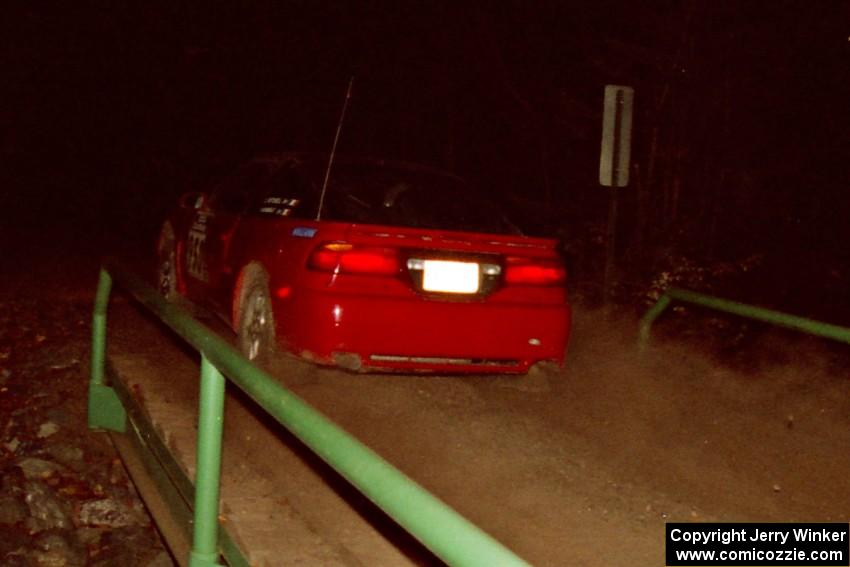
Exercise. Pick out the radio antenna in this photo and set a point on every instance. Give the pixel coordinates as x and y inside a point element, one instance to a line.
<point>333,149</point>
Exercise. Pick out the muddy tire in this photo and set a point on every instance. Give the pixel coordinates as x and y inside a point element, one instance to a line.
<point>256,328</point>
<point>166,270</point>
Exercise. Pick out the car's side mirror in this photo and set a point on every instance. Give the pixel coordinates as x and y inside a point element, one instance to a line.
<point>193,200</point>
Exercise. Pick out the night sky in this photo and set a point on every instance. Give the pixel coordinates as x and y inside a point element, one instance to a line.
<point>741,134</point>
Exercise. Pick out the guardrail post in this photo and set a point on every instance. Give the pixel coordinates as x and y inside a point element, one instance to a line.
<point>208,467</point>
<point>646,321</point>
<point>105,410</point>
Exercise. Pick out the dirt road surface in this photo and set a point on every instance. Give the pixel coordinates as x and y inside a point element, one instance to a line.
<point>582,467</point>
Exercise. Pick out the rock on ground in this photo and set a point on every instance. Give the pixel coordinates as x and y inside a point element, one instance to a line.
<point>65,499</point>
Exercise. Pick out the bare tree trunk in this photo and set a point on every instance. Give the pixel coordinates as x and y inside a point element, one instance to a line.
<point>716,208</point>
<point>544,171</point>
<point>649,181</point>
<point>450,151</point>
<point>641,217</point>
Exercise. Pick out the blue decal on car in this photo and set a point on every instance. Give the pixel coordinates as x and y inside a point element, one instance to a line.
<point>304,231</point>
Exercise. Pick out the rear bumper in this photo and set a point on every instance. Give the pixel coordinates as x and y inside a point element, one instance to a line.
<point>418,335</point>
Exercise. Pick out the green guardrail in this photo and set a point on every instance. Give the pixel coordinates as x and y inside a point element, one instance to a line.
<point>810,326</point>
<point>448,535</point>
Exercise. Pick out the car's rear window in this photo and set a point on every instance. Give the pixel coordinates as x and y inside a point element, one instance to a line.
<point>411,198</point>
<point>377,193</point>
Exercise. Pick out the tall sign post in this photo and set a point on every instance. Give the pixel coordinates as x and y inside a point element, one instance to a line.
<point>614,163</point>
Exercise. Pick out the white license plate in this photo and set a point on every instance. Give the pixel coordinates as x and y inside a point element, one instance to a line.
<point>450,277</point>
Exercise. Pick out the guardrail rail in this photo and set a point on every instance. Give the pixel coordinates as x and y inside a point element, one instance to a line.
<point>810,326</point>
<point>442,530</point>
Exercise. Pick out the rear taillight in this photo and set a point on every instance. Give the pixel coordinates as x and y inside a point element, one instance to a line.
<point>533,271</point>
<point>342,257</point>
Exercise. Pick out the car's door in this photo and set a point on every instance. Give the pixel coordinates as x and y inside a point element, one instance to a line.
<point>210,233</point>
<point>284,211</point>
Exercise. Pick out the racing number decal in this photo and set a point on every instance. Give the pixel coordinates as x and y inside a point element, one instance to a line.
<point>194,255</point>
<point>196,264</point>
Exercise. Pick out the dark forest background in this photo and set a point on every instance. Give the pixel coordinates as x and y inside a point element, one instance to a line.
<point>741,136</point>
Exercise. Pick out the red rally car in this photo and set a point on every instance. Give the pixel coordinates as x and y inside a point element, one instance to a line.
<point>368,265</point>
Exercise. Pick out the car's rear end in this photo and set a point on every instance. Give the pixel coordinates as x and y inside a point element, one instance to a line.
<point>389,298</point>
<point>404,267</point>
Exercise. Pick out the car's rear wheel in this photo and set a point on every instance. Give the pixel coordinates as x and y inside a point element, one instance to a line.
<point>256,331</point>
<point>167,264</point>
